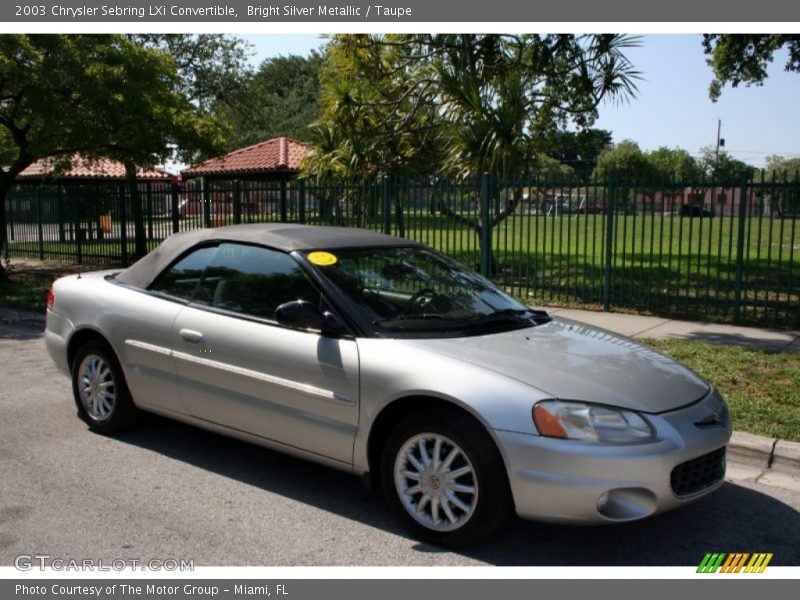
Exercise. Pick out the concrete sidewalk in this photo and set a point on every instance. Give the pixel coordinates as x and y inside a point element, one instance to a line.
<point>757,338</point>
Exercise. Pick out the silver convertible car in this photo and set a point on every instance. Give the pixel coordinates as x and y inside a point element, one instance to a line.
<point>383,358</point>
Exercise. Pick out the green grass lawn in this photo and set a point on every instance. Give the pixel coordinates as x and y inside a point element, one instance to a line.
<point>26,290</point>
<point>661,264</point>
<point>762,388</point>
<point>666,265</point>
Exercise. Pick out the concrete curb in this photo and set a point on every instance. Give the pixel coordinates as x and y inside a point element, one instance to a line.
<point>751,450</point>
<point>786,457</point>
<point>772,460</point>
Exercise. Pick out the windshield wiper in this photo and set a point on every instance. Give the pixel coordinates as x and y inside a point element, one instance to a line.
<point>414,322</point>
<point>502,314</point>
<point>512,315</point>
<point>515,316</point>
<point>417,317</point>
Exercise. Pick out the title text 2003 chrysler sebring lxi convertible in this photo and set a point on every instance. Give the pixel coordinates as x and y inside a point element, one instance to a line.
<point>376,355</point>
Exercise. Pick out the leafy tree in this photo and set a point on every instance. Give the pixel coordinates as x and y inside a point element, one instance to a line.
<point>785,172</point>
<point>206,71</point>
<point>628,168</point>
<point>98,95</point>
<point>210,66</point>
<point>579,149</point>
<point>626,163</point>
<point>462,105</point>
<point>211,70</point>
<point>142,116</point>
<point>549,169</point>
<point>720,172</point>
<point>723,169</point>
<point>673,170</point>
<point>43,87</point>
<point>783,169</point>
<point>371,122</point>
<point>280,99</point>
<point>674,166</point>
<point>483,102</point>
<point>743,58</point>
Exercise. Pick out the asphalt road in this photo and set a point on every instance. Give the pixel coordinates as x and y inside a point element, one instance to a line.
<point>167,490</point>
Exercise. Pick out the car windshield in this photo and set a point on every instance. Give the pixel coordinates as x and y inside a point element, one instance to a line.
<point>413,290</point>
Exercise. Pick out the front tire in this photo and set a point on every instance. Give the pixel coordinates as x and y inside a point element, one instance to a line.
<point>101,394</point>
<point>445,479</point>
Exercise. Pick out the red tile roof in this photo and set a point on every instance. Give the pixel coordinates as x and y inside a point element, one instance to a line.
<point>277,154</point>
<point>102,168</point>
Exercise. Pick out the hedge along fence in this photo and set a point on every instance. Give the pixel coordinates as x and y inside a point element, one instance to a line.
<point>719,251</point>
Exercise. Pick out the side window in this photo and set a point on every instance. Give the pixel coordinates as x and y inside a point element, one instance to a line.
<point>181,279</point>
<point>253,281</point>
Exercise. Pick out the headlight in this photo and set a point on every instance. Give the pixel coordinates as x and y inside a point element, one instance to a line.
<point>590,422</point>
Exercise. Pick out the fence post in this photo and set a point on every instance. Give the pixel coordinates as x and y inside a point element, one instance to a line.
<point>76,222</point>
<point>148,191</point>
<point>62,234</point>
<point>486,227</point>
<point>301,200</point>
<point>737,294</point>
<point>237,202</point>
<point>206,203</point>
<point>97,202</point>
<point>174,200</point>
<point>386,205</point>
<point>123,224</point>
<point>609,247</point>
<point>10,208</point>
<point>9,200</point>
<point>39,218</point>
<point>282,205</point>
<point>398,194</point>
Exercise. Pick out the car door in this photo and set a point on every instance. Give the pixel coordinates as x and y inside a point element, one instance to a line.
<point>143,331</point>
<point>237,367</point>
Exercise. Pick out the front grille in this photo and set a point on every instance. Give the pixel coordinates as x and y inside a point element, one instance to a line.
<point>699,473</point>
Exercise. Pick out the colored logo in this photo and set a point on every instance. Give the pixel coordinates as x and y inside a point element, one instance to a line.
<point>735,562</point>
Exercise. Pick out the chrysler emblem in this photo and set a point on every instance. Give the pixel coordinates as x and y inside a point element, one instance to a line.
<point>715,418</point>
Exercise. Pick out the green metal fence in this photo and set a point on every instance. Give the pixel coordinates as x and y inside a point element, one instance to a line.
<point>718,251</point>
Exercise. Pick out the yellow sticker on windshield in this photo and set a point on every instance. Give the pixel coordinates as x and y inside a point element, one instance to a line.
<point>322,259</point>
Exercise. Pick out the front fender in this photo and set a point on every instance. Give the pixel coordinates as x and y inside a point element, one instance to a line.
<point>392,370</point>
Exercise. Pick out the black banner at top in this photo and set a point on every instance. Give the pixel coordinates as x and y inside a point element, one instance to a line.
<point>397,11</point>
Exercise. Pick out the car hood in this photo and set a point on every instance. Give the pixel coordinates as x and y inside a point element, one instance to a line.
<point>572,361</point>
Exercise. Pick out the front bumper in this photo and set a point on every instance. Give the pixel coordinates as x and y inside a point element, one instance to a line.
<point>584,482</point>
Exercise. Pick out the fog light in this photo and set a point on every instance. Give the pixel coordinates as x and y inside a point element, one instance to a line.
<point>626,504</point>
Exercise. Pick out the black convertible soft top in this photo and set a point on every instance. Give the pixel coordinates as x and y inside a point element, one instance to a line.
<point>281,236</point>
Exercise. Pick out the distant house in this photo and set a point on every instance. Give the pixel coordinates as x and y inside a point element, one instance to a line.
<point>273,160</point>
<point>68,189</point>
<point>260,173</point>
<point>82,170</point>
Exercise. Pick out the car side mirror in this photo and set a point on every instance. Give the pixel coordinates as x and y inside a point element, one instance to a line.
<point>300,314</point>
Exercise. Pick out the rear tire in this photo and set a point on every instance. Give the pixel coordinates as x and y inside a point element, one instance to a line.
<point>101,393</point>
<point>445,479</point>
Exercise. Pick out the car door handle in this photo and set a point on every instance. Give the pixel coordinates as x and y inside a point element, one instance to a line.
<point>191,336</point>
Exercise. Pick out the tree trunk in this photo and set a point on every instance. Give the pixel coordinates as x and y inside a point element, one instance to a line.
<point>3,230</point>
<point>7,180</point>
<point>140,240</point>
